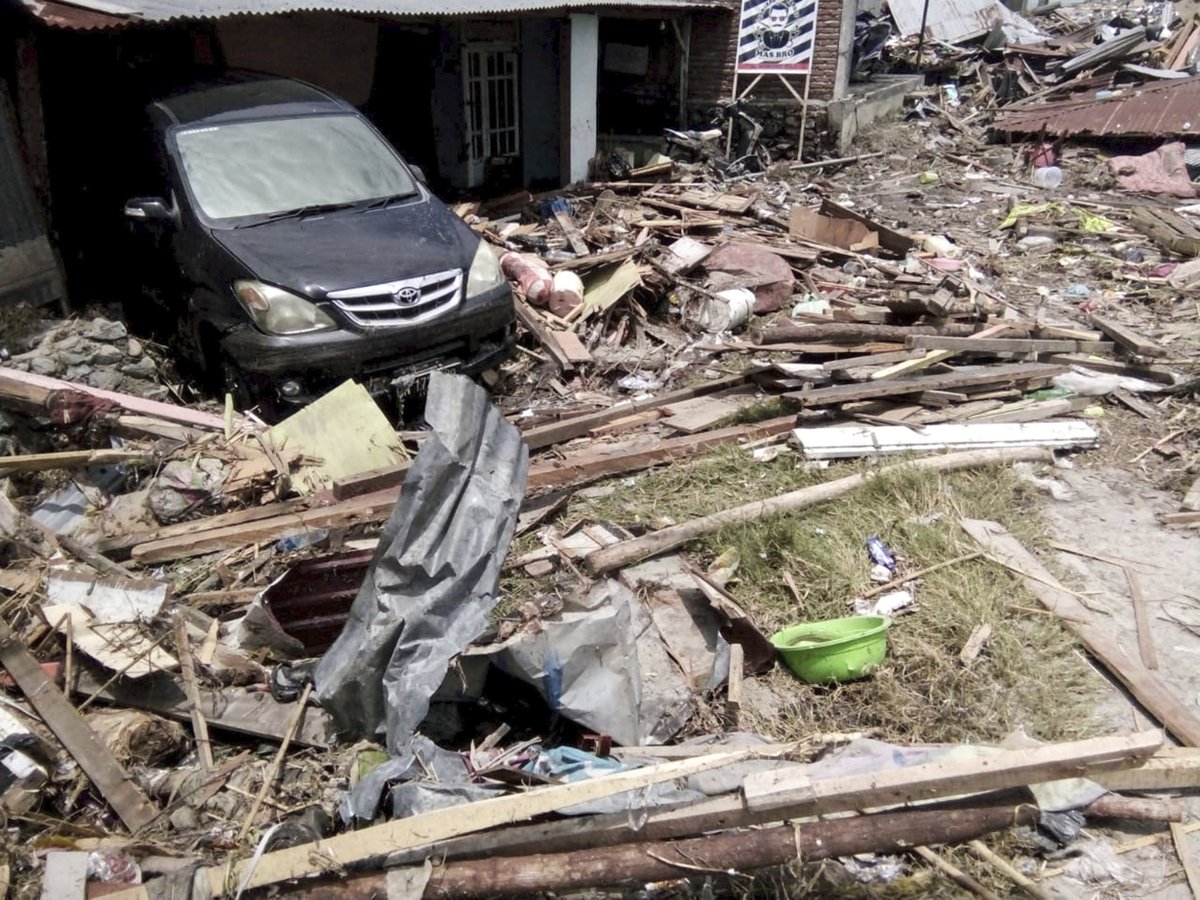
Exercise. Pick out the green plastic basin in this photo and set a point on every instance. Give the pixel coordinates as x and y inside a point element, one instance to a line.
<point>833,650</point>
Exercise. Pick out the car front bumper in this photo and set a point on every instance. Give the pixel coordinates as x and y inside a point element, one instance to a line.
<point>297,369</point>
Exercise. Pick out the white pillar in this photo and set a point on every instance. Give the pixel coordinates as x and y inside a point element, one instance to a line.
<point>581,106</point>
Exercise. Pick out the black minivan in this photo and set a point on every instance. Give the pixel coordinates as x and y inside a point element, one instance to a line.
<point>288,247</point>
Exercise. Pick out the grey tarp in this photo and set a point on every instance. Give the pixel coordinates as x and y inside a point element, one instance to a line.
<point>602,663</point>
<point>432,582</point>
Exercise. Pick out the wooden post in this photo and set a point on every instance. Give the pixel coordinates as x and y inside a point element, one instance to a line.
<point>630,551</point>
<point>640,863</point>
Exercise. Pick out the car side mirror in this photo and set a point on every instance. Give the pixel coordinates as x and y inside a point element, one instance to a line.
<point>147,209</point>
<point>419,172</point>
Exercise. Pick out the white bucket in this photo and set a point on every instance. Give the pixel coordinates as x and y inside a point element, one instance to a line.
<point>725,311</point>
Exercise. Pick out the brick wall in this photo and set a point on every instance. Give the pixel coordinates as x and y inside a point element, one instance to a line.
<point>714,44</point>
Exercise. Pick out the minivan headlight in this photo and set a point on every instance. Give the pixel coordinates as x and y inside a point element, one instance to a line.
<point>485,273</point>
<point>277,311</point>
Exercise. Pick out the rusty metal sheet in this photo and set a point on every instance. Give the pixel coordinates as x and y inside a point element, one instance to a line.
<point>94,14</point>
<point>1166,109</point>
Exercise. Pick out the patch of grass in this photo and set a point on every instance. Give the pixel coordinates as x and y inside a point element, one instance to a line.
<point>760,411</point>
<point>1028,675</point>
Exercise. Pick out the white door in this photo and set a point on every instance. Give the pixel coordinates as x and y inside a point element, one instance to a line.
<point>491,91</point>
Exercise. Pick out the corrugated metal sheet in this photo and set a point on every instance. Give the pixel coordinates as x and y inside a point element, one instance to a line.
<point>86,14</point>
<point>953,21</point>
<point>28,268</point>
<point>1166,109</point>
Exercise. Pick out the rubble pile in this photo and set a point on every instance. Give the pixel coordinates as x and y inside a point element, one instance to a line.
<point>244,657</point>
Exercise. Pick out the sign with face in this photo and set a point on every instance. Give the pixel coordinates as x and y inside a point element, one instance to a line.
<point>776,36</point>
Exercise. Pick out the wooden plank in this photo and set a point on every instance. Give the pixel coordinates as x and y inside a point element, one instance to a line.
<point>1077,759</point>
<point>1191,500</point>
<point>1187,857</point>
<point>690,416</point>
<point>793,789</point>
<point>1180,519</point>
<point>848,441</point>
<point>570,347</point>
<point>34,390</point>
<point>618,459</point>
<point>729,203</point>
<point>889,238</point>
<point>1026,410</point>
<point>442,824</point>
<point>1170,769</point>
<point>628,423</point>
<point>932,357</point>
<point>733,693</point>
<point>1127,337</point>
<point>72,459</point>
<point>1005,345</point>
<point>1098,637</point>
<point>1005,374</point>
<point>356,511</point>
<point>1137,404</point>
<point>110,780</point>
<point>120,544</point>
<point>578,426</point>
<point>571,230</point>
<point>1141,618</point>
<point>849,363</point>
<point>537,326</point>
<point>1160,374</point>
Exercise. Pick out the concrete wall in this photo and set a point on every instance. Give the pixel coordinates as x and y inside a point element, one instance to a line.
<point>583,69</point>
<point>540,78</point>
<point>449,117</point>
<point>332,51</point>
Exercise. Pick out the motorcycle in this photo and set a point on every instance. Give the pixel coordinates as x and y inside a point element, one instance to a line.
<point>870,36</point>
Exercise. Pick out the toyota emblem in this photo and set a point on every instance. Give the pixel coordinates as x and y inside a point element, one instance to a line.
<point>407,296</point>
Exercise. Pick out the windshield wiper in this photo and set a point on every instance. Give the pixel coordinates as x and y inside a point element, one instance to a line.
<point>298,213</point>
<point>382,202</point>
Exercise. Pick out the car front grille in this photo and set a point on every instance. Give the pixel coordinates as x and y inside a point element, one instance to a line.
<point>406,302</point>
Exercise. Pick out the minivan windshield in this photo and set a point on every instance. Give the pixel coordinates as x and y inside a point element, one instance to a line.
<point>280,165</point>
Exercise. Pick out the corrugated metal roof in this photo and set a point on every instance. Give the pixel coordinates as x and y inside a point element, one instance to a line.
<point>1165,109</point>
<point>85,14</point>
<point>957,20</point>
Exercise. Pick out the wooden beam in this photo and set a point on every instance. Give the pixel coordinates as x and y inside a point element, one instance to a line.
<point>1141,618</point>
<point>630,551</point>
<point>574,237</point>
<point>72,459</point>
<point>119,545</point>
<point>1002,771</point>
<point>537,326</point>
<point>647,862</point>
<point>843,393</point>
<point>110,780</point>
<point>579,426</point>
<point>441,824</point>
<point>1005,345</point>
<point>370,508</point>
<point>32,391</point>
<point>616,459</point>
<point>1127,337</point>
<point>1098,637</point>
<point>787,331</point>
